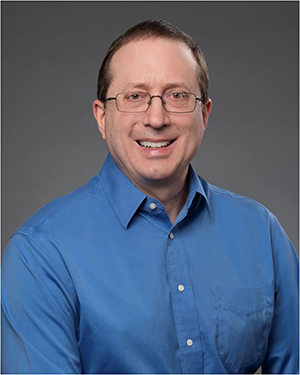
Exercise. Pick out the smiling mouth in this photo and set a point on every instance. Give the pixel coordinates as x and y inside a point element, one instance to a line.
<point>154,145</point>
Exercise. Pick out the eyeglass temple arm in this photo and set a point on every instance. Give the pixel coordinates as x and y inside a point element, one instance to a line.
<point>107,99</point>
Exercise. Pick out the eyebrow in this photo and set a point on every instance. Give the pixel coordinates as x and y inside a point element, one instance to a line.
<point>144,86</point>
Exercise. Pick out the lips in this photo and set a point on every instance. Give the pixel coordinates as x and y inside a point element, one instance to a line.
<point>154,145</point>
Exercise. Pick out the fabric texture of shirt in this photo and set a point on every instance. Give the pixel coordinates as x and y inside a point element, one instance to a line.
<point>100,281</point>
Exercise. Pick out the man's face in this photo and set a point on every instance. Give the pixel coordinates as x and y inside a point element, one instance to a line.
<point>153,66</point>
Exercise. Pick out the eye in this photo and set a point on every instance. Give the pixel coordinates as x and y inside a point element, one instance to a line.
<point>134,96</point>
<point>177,95</point>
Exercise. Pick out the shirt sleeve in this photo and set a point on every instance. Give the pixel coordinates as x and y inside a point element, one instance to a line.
<point>283,348</point>
<point>39,311</point>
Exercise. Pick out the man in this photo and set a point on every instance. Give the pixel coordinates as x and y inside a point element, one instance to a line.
<point>148,268</point>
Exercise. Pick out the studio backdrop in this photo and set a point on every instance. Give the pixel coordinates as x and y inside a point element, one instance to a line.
<point>51,54</point>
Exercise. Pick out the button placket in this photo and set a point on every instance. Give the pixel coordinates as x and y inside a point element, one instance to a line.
<point>184,307</point>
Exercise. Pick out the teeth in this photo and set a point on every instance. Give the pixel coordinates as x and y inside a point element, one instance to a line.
<point>154,144</point>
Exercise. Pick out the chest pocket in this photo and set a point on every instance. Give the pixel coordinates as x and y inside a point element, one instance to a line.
<point>243,323</point>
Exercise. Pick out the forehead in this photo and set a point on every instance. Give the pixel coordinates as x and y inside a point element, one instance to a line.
<point>153,62</point>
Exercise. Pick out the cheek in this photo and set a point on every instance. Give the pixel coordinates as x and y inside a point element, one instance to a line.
<point>118,129</point>
<point>194,138</point>
<point>111,125</point>
<point>196,131</point>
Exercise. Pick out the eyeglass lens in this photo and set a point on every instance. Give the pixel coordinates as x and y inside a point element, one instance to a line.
<point>172,101</point>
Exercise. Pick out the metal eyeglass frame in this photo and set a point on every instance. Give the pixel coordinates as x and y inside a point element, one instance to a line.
<point>150,100</point>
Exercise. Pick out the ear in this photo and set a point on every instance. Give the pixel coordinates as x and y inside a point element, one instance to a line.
<point>99,113</point>
<point>206,111</point>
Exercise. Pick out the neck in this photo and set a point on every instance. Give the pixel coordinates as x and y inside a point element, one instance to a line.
<point>172,195</point>
<point>173,204</point>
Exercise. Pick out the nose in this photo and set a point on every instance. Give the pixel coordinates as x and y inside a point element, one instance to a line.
<point>156,116</point>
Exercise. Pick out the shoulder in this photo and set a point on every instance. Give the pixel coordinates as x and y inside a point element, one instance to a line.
<point>223,202</point>
<point>64,207</point>
<point>235,213</point>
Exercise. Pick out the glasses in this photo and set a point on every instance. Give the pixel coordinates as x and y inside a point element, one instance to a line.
<point>138,102</point>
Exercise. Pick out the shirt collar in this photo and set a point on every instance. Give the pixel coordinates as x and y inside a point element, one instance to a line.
<point>125,198</point>
<point>197,188</point>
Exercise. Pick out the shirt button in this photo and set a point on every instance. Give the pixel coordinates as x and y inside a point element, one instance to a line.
<point>152,206</point>
<point>189,342</point>
<point>180,288</point>
<point>172,236</point>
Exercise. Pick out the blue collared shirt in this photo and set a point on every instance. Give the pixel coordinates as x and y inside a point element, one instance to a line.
<point>100,281</point>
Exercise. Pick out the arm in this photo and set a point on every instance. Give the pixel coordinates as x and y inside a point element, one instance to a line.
<point>283,350</point>
<point>39,311</point>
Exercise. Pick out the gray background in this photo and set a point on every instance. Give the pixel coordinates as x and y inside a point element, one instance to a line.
<point>51,54</point>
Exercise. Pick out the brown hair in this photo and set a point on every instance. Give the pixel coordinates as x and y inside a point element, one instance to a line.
<point>153,29</point>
